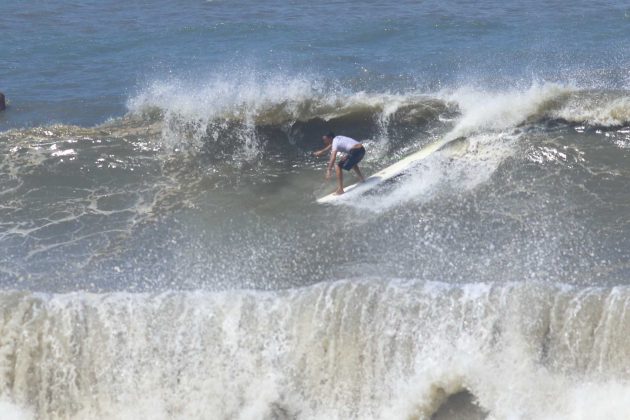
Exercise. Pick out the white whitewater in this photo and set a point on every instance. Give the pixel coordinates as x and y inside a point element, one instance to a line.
<point>349,349</point>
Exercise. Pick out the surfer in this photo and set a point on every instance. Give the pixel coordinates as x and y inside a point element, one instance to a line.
<point>353,153</point>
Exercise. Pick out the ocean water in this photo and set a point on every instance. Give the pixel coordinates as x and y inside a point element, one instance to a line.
<point>162,254</point>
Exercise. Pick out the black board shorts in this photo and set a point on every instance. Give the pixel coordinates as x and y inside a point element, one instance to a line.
<point>352,158</point>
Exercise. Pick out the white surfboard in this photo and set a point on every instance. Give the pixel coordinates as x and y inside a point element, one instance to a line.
<point>397,168</point>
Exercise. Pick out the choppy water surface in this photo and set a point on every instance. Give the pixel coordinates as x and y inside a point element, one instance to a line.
<point>161,253</point>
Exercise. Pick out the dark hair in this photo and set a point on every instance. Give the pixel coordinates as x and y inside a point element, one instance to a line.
<point>330,135</point>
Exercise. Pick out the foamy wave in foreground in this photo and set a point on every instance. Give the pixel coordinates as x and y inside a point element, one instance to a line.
<point>350,349</point>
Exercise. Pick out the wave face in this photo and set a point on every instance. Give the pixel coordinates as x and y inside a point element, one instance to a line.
<point>348,349</point>
<point>535,177</point>
<point>231,115</point>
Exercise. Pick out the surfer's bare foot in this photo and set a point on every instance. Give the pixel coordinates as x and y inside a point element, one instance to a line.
<point>339,191</point>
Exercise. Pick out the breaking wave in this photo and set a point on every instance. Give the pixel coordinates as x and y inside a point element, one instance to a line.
<point>245,119</point>
<point>349,349</point>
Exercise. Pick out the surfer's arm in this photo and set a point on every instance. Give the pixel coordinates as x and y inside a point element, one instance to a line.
<point>331,163</point>
<point>324,150</point>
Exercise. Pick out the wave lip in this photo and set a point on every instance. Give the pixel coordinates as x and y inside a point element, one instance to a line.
<point>271,101</point>
<point>243,115</point>
<point>596,109</point>
<point>240,107</point>
<point>483,110</point>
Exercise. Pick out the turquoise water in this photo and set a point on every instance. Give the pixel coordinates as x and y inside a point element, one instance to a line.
<point>162,254</point>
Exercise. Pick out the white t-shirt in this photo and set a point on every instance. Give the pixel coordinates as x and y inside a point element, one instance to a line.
<point>343,144</point>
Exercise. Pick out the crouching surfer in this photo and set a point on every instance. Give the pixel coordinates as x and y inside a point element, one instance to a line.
<point>353,152</point>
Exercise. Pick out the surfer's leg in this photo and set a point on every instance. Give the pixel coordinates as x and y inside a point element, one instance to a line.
<point>354,157</point>
<point>339,179</point>
<point>358,171</point>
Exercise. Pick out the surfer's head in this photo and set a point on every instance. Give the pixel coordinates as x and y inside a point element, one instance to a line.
<point>328,138</point>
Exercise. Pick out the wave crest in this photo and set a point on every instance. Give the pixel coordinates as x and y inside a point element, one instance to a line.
<point>243,113</point>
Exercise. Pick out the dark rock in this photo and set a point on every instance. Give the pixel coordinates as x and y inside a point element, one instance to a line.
<point>3,105</point>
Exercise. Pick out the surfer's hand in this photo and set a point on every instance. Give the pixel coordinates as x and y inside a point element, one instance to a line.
<point>327,174</point>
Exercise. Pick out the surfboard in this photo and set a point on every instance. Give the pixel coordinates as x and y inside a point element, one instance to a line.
<point>383,175</point>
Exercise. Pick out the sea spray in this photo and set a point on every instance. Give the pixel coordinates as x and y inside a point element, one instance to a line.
<point>348,349</point>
